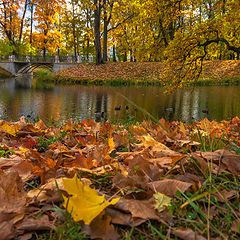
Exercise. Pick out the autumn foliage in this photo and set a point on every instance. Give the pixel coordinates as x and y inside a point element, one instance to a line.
<point>115,175</point>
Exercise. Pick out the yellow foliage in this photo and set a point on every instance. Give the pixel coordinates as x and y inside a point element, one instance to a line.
<point>84,203</point>
<point>10,129</point>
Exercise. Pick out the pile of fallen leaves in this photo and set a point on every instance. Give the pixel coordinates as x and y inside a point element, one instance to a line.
<point>181,181</point>
<point>146,71</point>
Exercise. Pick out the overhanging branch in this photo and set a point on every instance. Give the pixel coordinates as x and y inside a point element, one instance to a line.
<point>217,40</point>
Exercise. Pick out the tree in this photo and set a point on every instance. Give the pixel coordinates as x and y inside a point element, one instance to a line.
<point>47,15</point>
<point>12,20</point>
<point>186,53</point>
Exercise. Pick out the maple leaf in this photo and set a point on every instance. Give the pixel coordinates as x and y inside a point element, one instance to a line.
<point>84,203</point>
<point>110,144</point>
<point>10,129</point>
<point>148,141</point>
<point>161,201</point>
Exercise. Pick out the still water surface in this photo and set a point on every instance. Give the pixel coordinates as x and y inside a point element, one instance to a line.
<point>23,96</point>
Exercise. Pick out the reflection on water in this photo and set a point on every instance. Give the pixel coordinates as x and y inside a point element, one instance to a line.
<point>22,96</point>
<point>24,80</point>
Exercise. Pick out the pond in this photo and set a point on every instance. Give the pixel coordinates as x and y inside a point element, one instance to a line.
<point>24,96</point>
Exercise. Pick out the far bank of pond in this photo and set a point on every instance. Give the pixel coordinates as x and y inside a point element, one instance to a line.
<point>225,72</point>
<point>24,96</point>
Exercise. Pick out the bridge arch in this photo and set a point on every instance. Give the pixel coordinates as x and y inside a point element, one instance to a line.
<point>31,66</point>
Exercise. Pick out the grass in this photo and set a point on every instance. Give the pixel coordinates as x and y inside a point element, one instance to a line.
<point>43,74</point>
<point>66,80</point>
<point>5,153</point>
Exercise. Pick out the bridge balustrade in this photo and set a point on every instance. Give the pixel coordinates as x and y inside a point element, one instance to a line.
<point>48,59</point>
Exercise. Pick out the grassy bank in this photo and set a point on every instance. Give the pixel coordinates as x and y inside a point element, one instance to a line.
<point>147,73</point>
<point>4,74</point>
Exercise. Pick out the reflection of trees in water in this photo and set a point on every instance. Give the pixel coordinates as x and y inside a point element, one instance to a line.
<point>101,106</point>
<point>83,102</point>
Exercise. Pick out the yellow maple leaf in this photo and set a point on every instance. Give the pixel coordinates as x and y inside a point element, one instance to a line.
<point>161,201</point>
<point>23,150</point>
<point>10,129</point>
<point>182,128</point>
<point>149,141</point>
<point>84,203</point>
<point>110,144</point>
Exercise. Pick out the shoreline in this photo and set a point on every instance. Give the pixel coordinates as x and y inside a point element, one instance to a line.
<point>225,72</point>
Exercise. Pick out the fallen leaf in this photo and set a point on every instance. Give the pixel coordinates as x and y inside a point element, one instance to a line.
<point>169,187</point>
<point>42,223</point>
<point>84,203</point>
<point>148,141</point>
<point>40,125</point>
<point>6,230</point>
<point>47,192</point>
<point>110,144</point>
<point>141,210</point>
<point>236,226</point>
<point>12,130</point>
<point>101,228</point>
<point>161,201</point>
<point>187,234</point>
<point>12,207</point>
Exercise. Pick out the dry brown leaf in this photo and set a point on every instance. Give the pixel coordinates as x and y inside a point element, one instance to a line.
<point>6,230</point>
<point>143,167</point>
<point>187,234</point>
<point>13,200</point>
<point>48,192</point>
<point>148,141</point>
<point>31,224</point>
<point>224,195</point>
<point>122,218</point>
<point>12,196</point>
<point>40,125</point>
<point>236,226</point>
<point>223,159</point>
<point>101,228</point>
<point>24,170</point>
<point>136,181</point>
<point>9,162</point>
<point>169,187</point>
<point>140,209</point>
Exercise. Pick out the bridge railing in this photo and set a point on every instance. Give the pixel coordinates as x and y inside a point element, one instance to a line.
<point>48,59</point>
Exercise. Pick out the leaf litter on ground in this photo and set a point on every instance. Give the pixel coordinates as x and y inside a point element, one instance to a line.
<point>182,178</point>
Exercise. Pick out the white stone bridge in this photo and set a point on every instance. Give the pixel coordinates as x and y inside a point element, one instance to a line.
<point>26,64</point>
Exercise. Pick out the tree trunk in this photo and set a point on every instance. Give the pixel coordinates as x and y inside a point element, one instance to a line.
<point>125,56</point>
<point>31,26</point>
<point>22,20</point>
<point>74,30</point>
<point>105,36</point>
<point>44,54</point>
<point>114,53</point>
<point>97,40</point>
<point>131,55</point>
<point>88,41</point>
<point>106,21</point>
